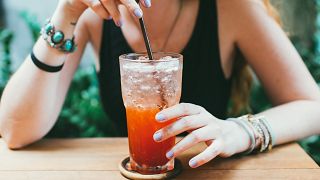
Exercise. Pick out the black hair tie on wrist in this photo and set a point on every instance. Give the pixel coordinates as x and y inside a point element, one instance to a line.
<point>45,67</point>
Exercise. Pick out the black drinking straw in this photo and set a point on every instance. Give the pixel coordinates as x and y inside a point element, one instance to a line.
<point>145,37</point>
<point>149,51</point>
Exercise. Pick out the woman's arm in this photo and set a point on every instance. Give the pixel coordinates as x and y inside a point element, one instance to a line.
<point>283,74</point>
<point>33,98</point>
<point>281,70</point>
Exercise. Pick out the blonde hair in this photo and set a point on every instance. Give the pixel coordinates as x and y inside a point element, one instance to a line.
<point>242,75</point>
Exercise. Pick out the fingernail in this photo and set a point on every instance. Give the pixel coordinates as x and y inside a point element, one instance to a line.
<point>147,3</point>
<point>169,154</point>
<point>157,136</point>
<point>160,117</point>
<point>109,18</point>
<point>119,23</point>
<point>192,163</point>
<point>138,12</point>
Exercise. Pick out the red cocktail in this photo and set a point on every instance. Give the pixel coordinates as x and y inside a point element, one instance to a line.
<point>148,87</point>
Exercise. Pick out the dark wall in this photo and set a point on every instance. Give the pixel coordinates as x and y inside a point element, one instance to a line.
<point>1,14</point>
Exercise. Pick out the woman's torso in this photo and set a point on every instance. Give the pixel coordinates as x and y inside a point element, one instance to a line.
<point>204,81</point>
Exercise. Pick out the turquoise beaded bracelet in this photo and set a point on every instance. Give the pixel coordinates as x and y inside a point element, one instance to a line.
<point>56,39</point>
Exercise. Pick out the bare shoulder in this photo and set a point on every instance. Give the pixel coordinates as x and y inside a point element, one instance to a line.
<point>239,5</point>
<point>242,14</point>
<point>239,18</point>
<point>239,11</point>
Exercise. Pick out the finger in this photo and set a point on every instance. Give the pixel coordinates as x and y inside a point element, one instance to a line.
<point>98,8</point>
<point>199,135</point>
<point>133,7</point>
<point>207,155</point>
<point>184,124</point>
<point>179,110</point>
<point>112,8</point>
<point>146,3</point>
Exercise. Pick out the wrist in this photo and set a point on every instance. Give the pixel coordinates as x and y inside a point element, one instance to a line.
<point>243,138</point>
<point>65,19</point>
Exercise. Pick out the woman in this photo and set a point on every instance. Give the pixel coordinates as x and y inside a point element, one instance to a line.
<point>209,33</point>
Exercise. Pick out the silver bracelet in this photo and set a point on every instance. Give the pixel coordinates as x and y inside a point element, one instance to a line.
<point>258,134</point>
<point>265,138</point>
<point>262,130</point>
<point>246,126</point>
<point>265,123</point>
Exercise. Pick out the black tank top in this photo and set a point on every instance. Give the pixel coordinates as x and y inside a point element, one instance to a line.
<point>203,83</point>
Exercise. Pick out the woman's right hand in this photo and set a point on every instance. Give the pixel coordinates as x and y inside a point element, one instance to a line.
<point>106,9</point>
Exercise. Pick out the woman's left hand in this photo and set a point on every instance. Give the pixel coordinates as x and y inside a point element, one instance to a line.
<point>223,138</point>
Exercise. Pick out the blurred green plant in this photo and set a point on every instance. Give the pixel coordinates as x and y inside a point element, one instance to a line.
<point>6,37</point>
<point>82,114</point>
<point>33,24</point>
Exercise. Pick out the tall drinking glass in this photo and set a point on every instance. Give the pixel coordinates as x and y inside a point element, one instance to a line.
<point>148,86</point>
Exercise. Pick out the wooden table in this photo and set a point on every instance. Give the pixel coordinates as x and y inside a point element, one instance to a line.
<point>98,158</point>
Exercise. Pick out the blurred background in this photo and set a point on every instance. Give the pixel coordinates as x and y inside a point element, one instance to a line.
<point>82,115</point>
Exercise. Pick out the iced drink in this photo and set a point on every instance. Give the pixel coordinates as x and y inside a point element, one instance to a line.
<point>148,86</point>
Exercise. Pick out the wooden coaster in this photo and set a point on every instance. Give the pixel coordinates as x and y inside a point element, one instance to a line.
<point>134,175</point>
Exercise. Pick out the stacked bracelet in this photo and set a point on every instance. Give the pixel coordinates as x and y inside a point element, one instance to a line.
<point>271,133</point>
<point>56,39</point>
<point>258,124</point>
<point>258,130</point>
